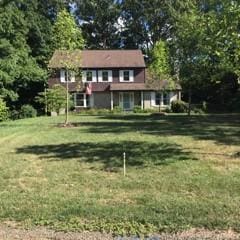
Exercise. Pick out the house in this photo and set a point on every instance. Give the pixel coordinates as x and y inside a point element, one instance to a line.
<point>116,77</point>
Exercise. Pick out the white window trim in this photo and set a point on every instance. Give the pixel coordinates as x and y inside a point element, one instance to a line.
<point>100,74</point>
<point>84,75</point>
<point>131,75</point>
<point>153,100</point>
<point>72,76</point>
<point>91,100</point>
<point>63,75</point>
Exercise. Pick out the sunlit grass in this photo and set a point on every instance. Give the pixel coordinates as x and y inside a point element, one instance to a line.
<point>181,173</point>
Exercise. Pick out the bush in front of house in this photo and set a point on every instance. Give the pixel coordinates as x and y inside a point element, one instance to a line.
<point>27,111</point>
<point>138,109</point>
<point>3,111</point>
<point>117,109</point>
<point>179,106</point>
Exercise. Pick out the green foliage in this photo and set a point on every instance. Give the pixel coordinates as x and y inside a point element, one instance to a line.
<point>117,109</point>
<point>160,64</point>
<point>27,111</point>
<point>100,23</point>
<point>137,109</point>
<point>179,106</point>
<point>66,34</point>
<point>3,111</point>
<point>19,71</point>
<point>54,99</point>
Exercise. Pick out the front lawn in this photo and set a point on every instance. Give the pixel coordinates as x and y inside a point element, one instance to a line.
<point>181,173</point>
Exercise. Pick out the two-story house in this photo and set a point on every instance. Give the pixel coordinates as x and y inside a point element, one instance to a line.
<point>117,77</point>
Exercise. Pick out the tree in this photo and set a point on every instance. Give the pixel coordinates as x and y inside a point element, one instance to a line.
<point>67,36</point>
<point>53,99</point>
<point>18,69</point>
<point>209,52</point>
<point>100,22</point>
<point>3,110</point>
<point>160,72</point>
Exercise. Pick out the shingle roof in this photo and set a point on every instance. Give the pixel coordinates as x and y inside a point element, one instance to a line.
<point>97,59</point>
<point>128,87</point>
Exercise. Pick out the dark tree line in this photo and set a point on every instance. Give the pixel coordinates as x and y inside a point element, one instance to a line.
<point>203,38</point>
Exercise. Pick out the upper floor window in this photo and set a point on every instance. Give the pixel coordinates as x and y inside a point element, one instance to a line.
<point>105,76</point>
<point>126,76</point>
<point>64,74</point>
<point>89,76</point>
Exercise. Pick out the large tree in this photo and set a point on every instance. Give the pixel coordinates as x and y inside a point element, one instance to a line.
<point>19,71</point>
<point>100,21</point>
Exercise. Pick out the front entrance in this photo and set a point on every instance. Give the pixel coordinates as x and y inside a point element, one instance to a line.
<point>126,100</point>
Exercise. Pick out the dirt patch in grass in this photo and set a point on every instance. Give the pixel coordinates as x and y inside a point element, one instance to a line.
<point>11,231</point>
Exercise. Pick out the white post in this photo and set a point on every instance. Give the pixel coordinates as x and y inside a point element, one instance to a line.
<point>124,164</point>
<point>111,100</point>
<point>142,104</point>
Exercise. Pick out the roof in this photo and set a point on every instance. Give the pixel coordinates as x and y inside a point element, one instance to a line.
<point>97,59</point>
<point>128,87</point>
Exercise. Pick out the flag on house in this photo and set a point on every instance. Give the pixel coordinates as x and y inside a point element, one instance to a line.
<point>89,89</point>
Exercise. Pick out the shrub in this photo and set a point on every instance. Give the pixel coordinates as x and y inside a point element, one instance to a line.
<point>117,109</point>
<point>168,110</point>
<point>138,109</point>
<point>3,111</point>
<point>198,111</point>
<point>27,111</point>
<point>179,106</point>
<point>104,111</point>
<point>14,114</point>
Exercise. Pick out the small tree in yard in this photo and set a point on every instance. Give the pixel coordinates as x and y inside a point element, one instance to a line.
<point>159,76</point>
<point>54,99</point>
<point>67,36</point>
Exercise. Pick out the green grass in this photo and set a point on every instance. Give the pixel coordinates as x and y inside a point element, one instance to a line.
<point>181,173</point>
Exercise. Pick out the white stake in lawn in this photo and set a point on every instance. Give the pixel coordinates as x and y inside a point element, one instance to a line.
<point>124,164</point>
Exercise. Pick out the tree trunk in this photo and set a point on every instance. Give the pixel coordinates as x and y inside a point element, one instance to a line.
<point>189,101</point>
<point>67,102</point>
<point>45,98</point>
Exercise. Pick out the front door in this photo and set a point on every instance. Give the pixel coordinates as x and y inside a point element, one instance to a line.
<point>126,100</point>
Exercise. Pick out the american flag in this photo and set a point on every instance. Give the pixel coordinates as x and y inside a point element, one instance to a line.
<point>89,89</point>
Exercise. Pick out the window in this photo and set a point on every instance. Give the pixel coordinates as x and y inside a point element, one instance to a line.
<point>79,100</point>
<point>126,76</point>
<point>166,99</point>
<point>72,76</point>
<point>105,76</point>
<point>89,76</point>
<point>64,75</point>
<point>158,97</point>
<point>82,100</point>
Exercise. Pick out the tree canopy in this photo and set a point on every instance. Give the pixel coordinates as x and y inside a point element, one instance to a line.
<point>202,38</point>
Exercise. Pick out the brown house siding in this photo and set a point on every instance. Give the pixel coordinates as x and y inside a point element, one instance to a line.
<point>139,74</point>
<point>102,100</point>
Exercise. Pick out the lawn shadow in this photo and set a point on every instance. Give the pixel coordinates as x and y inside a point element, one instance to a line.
<point>110,154</point>
<point>223,129</point>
